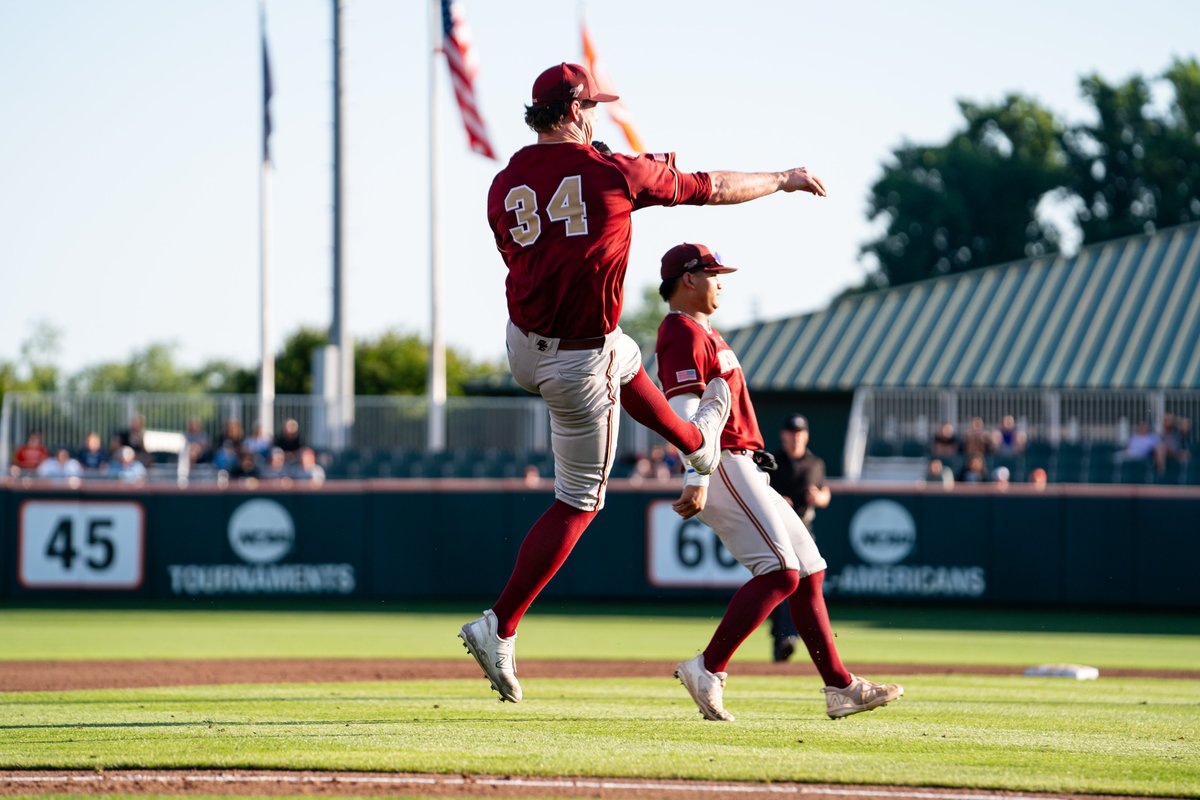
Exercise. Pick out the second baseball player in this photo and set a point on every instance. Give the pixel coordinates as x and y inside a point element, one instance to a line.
<point>753,521</point>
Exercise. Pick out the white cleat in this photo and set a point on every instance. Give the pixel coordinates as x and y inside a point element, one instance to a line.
<point>710,418</point>
<point>860,695</point>
<point>496,656</point>
<point>706,688</point>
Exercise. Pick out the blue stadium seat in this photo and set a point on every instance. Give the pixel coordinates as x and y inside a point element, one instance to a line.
<point>1137,471</point>
<point>1069,464</point>
<point>881,448</point>
<point>1102,463</point>
<point>1039,454</point>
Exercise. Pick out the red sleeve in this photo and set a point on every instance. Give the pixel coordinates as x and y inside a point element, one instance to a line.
<point>683,358</point>
<point>654,181</point>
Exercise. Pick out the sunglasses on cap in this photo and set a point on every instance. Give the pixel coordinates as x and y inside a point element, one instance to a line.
<point>711,260</point>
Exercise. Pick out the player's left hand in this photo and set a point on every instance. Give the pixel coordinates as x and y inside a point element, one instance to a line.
<point>691,502</point>
<point>801,180</point>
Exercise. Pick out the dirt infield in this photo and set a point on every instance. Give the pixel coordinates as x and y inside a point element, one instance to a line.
<point>29,676</point>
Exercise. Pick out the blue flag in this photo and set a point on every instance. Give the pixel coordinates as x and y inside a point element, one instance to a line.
<point>266,84</point>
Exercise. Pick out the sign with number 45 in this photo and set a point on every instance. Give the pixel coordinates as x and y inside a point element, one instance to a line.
<point>81,544</point>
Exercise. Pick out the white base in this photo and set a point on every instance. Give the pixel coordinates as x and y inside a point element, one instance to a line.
<point>1076,671</point>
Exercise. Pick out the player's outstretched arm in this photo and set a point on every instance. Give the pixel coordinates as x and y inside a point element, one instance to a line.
<point>730,188</point>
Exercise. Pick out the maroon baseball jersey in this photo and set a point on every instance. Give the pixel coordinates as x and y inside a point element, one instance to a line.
<point>688,357</point>
<point>561,217</point>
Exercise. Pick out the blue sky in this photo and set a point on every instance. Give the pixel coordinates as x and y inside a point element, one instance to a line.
<point>129,146</point>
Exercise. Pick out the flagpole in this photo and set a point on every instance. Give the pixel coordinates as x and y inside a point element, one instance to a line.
<point>339,330</point>
<point>266,373</point>
<point>436,429</point>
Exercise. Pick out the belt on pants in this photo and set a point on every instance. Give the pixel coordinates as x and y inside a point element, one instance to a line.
<point>590,343</point>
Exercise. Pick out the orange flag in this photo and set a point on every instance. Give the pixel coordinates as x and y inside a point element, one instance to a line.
<point>616,109</point>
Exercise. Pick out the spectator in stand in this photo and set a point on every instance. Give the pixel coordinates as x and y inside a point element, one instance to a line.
<point>276,466</point>
<point>234,435</point>
<point>1006,439</point>
<point>660,469</point>
<point>289,440</point>
<point>672,459</point>
<point>126,466</point>
<point>228,451</point>
<point>937,472</point>
<point>246,467</point>
<point>1038,478</point>
<point>977,441</point>
<point>642,470</point>
<point>135,437</point>
<point>1173,445</point>
<point>1142,445</point>
<point>197,442</point>
<point>945,443</point>
<point>258,442</point>
<point>975,471</point>
<point>60,467</point>
<point>531,475</point>
<point>1000,477</point>
<point>30,455</point>
<point>93,457</point>
<point>306,468</point>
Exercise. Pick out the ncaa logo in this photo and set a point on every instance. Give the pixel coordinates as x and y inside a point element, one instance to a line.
<point>882,532</point>
<point>261,531</point>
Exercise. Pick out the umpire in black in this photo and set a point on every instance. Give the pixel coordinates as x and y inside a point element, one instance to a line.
<point>800,478</point>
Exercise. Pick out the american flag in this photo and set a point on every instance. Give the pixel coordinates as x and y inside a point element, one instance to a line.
<point>463,69</point>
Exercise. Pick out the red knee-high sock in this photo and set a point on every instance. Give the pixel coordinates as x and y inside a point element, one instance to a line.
<point>544,550</point>
<point>749,607</point>
<point>807,605</point>
<point>646,404</point>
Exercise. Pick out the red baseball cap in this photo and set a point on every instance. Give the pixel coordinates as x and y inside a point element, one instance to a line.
<point>690,258</point>
<point>566,82</point>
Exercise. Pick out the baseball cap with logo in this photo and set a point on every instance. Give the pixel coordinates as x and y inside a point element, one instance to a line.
<point>566,82</point>
<point>796,422</point>
<point>691,258</point>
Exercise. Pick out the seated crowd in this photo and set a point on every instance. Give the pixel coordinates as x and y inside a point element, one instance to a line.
<point>980,455</point>
<point>230,456</point>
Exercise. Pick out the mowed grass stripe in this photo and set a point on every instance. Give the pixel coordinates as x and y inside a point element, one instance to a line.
<point>895,636</point>
<point>1119,736</point>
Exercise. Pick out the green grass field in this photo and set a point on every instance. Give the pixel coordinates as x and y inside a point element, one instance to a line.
<point>1119,736</point>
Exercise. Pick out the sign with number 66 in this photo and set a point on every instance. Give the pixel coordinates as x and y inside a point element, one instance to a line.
<point>81,544</point>
<point>686,552</point>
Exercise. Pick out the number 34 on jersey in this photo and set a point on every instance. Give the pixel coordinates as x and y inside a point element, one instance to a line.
<point>566,206</point>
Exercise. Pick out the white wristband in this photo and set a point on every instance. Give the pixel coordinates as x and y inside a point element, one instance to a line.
<point>693,478</point>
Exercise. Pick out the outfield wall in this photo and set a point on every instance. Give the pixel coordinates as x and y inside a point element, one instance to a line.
<point>1111,546</point>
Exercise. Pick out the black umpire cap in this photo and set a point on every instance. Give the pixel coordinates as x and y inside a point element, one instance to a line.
<point>796,422</point>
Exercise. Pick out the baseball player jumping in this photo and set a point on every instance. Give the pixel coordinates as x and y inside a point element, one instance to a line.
<point>560,212</point>
<point>752,520</point>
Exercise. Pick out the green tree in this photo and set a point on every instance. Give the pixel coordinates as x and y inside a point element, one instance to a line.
<point>642,323</point>
<point>398,363</point>
<point>293,364</point>
<point>1136,169</point>
<point>34,370</point>
<point>151,369</point>
<point>972,201</point>
<point>393,363</point>
<point>220,376</point>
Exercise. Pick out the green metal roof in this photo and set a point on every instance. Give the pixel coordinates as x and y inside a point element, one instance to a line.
<point>1119,314</point>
